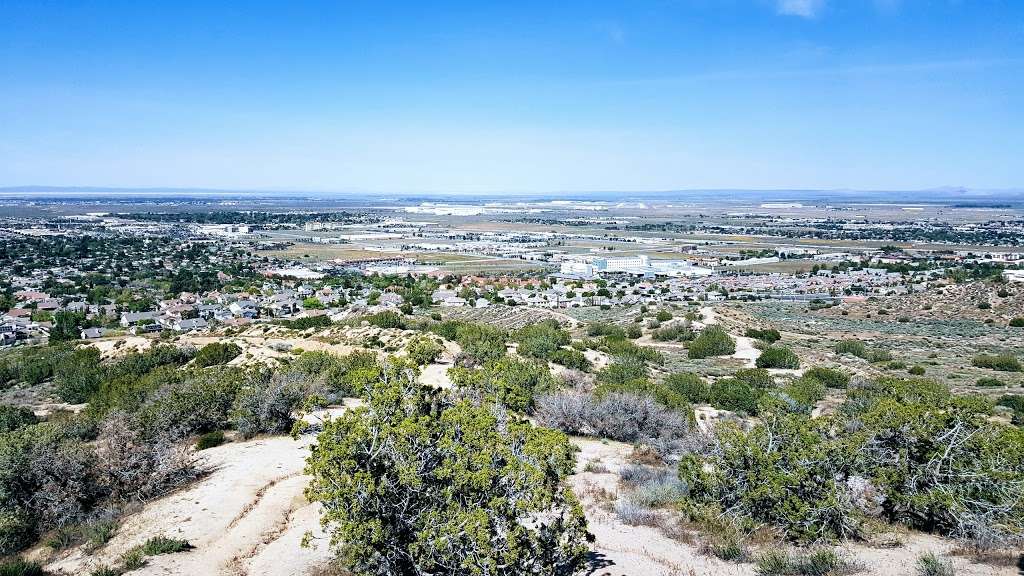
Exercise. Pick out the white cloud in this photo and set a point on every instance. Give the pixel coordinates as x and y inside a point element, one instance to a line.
<point>801,8</point>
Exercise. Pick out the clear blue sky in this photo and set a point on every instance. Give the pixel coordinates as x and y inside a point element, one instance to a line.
<point>513,96</point>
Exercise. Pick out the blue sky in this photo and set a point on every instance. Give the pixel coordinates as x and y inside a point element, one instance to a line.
<point>513,96</point>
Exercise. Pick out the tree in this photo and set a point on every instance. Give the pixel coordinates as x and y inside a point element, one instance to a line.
<point>67,326</point>
<point>415,482</point>
<point>216,353</point>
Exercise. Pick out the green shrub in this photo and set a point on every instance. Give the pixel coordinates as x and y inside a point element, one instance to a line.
<point>806,391</point>
<point>712,341</point>
<point>1017,322</point>
<point>830,377</point>
<point>216,353</point>
<point>673,333</point>
<point>916,370</point>
<point>387,319</point>
<point>821,562</point>
<point>852,347</point>
<point>470,462</point>
<point>540,340</point>
<point>266,404</point>
<point>515,383</point>
<point>999,362</point>
<point>210,440</point>
<point>690,386</point>
<point>306,322</point>
<point>14,417</point>
<point>769,335</point>
<point>623,348</point>
<point>595,329</point>
<point>778,357</point>
<point>929,564</point>
<point>988,382</point>
<point>759,378</point>
<point>158,545</point>
<point>423,350</point>
<point>480,342</point>
<point>571,359</point>
<point>734,395</point>
<point>663,316</point>
<point>133,559</point>
<point>20,567</point>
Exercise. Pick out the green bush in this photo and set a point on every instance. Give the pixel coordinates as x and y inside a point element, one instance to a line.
<point>480,342</point>
<point>690,386</point>
<point>216,353</point>
<point>387,319</point>
<point>453,514</point>
<point>306,322</point>
<point>423,350</point>
<point>571,359</point>
<point>778,357</point>
<point>20,567</point>
<point>266,404</point>
<point>1017,322</point>
<point>734,395</point>
<point>806,391</point>
<point>14,417</point>
<point>663,316</point>
<point>821,562</point>
<point>595,329</point>
<point>712,341</point>
<point>929,564</point>
<point>852,347</point>
<point>158,545</point>
<point>769,335</point>
<point>210,440</point>
<point>916,370</point>
<point>540,340</point>
<point>999,362</point>
<point>830,377</point>
<point>515,383</point>
<point>674,333</point>
<point>987,382</point>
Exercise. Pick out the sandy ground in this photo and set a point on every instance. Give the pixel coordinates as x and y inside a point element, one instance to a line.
<point>620,549</point>
<point>246,517</point>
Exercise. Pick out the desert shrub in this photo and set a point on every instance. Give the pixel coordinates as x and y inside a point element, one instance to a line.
<point>198,403</point>
<point>690,386</point>
<point>778,357</point>
<point>830,377</point>
<point>96,533</point>
<point>387,319</point>
<point>134,466</point>
<point>622,371</point>
<point>663,316</point>
<point>14,417</point>
<point>759,378</point>
<point>513,382</point>
<point>158,545</point>
<point>78,375</point>
<point>672,333</point>
<point>1017,322</point>
<point>916,370</point>
<point>216,353</point>
<point>46,482</point>
<point>769,335</point>
<point>306,322</point>
<point>633,514</point>
<point>1016,404</point>
<point>540,340</point>
<point>820,562</point>
<point>133,559</point>
<point>634,332</point>
<point>876,355</point>
<point>452,515</point>
<point>712,341</point>
<point>623,348</point>
<point>852,347</point>
<point>595,329</point>
<point>267,403</point>
<point>1000,362</point>
<point>787,472</point>
<point>20,567</point>
<point>480,342</point>
<point>806,391</point>
<point>344,375</point>
<point>734,395</point>
<point>929,564</point>
<point>571,359</point>
<point>423,350</point>
<point>623,416</point>
<point>210,440</point>
<point>989,382</point>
